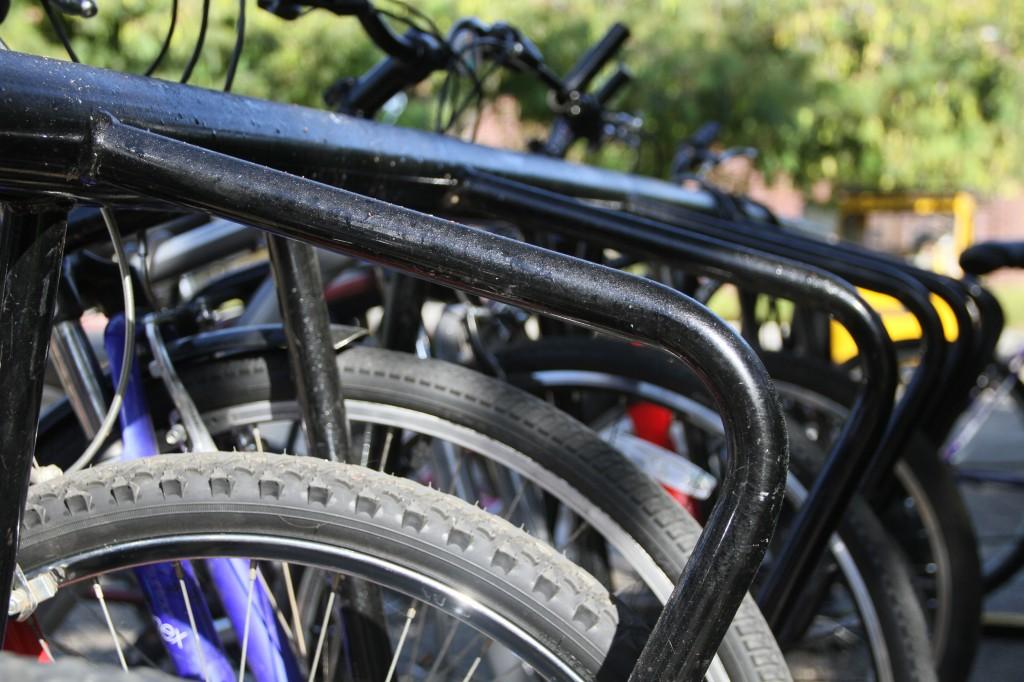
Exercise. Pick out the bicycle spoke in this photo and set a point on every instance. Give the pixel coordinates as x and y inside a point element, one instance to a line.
<point>581,526</point>
<point>507,515</point>
<point>444,650</point>
<point>476,662</point>
<point>248,616</point>
<point>98,591</point>
<point>282,621</point>
<point>409,616</point>
<point>192,620</point>
<point>449,454</point>
<point>386,449</point>
<point>421,626</point>
<point>300,636</point>
<point>461,653</point>
<point>33,623</point>
<point>323,631</point>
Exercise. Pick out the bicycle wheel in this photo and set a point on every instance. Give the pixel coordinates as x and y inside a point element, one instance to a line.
<point>598,379</point>
<point>482,420</point>
<point>997,412</point>
<point>924,512</point>
<point>428,551</point>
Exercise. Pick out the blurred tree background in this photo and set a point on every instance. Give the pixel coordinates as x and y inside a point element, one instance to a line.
<point>885,95</point>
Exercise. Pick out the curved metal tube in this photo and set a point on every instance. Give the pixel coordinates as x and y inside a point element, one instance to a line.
<point>852,452</point>
<point>741,524</point>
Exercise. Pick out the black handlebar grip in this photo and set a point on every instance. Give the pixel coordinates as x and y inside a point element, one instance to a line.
<point>987,257</point>
<point>706,134</point>
<point>77,8</point>
<point>610,87</point>
<point>596,57</point>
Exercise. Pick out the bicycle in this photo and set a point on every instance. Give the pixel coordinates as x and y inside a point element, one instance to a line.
<point>114,128</point>
<point>879,389</point>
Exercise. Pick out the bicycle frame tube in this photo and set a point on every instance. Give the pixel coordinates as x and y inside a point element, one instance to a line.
<point>161,584</point>
<point>31,248</point>
<point>740,526</point>
<point>268,656</point>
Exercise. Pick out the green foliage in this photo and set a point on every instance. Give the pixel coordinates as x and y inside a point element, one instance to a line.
<point>892,94</point>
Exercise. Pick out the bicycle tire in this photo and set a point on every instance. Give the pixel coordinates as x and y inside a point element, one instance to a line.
<point>862,534</point>
<point>119,512</point>
<point>938,505</point>
<point>560,448</point>
<point>1004,566</point>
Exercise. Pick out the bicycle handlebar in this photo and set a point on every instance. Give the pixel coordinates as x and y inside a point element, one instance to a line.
<point>618,80</point>
<point>404,47</point>
<point>75,8</point>
<point>595,58</point>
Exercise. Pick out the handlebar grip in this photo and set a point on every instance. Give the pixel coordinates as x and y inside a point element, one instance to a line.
<point>77,8</point>
<point>587,67</point>
<point>706,134</point>
<point>610,87</point>
<point>986,257</point>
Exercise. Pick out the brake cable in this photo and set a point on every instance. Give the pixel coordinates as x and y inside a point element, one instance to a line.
<point>200,39</point>
<point>127,354</point>
<point>236,52</point>
<point>167,40</point>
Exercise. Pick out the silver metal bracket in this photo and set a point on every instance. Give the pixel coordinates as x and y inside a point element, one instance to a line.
<point>198,435</point>
<point>26,594</point>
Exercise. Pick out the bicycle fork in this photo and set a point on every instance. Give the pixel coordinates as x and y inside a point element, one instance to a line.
<point>176,603</point>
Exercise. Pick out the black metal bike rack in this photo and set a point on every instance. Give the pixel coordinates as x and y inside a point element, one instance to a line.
<point>410,167</point>
<point>53,145</point>
<point>46,108</point>
<point>31,248</point>
<point>736,535</point>
<point>956,370</point>
<point>911,287</point>
<point>847,464</point>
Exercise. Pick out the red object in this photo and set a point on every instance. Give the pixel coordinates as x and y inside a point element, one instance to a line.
<point>21,639</point>
<point>652,422</point>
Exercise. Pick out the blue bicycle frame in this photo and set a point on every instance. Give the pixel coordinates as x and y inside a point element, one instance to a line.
<point>186,626</point>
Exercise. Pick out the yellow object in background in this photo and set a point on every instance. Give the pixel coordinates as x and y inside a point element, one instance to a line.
<point>899,323</point>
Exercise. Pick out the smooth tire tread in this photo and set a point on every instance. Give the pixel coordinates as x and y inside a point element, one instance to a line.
<point>888,579</point>
<point>563,445</point>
